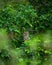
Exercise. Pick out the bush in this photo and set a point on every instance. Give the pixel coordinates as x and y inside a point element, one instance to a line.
<point>16,21</point>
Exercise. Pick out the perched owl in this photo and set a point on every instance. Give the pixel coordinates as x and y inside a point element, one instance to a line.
<point>26,35</point>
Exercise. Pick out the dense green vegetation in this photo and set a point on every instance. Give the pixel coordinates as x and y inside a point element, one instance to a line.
<point>26,32</point>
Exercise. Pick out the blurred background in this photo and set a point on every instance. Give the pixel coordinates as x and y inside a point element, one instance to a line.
<point>25,32</point>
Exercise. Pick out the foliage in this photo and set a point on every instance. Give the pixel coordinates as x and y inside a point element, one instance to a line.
<point>19,18</point>
<point>43,8</point>
<point>16,21</point>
